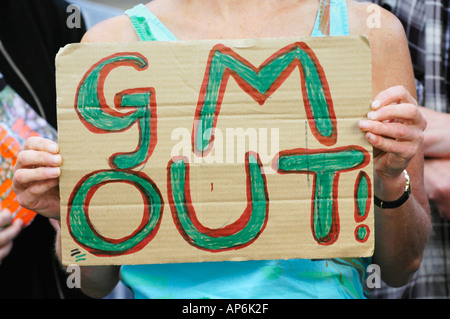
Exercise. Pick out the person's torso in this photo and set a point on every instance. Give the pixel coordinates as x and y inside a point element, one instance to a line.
<point>296,278</point>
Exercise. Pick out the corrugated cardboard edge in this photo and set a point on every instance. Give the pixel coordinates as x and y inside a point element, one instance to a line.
<point>236,43</point>
<point>68,50</point>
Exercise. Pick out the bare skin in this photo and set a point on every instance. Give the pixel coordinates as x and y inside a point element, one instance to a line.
<point>9,230</point>
<point>436,148</point>
<point>395,128</point>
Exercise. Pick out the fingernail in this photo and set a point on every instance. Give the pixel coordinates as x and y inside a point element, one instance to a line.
<point>54,171</point>
<point>372,115</point>
<point>364,124</point>
<point>56,159</point>
<point>370,136</point>
<point>52,148</point>
<point>376,104</point>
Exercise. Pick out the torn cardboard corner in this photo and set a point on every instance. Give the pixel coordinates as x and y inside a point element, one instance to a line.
<point>215,150</point>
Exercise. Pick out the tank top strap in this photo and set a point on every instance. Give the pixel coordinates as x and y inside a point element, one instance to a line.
<point>332,19</point>
<point>147,26</point>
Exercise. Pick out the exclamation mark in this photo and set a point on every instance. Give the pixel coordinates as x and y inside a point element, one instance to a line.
<point>362,197</point>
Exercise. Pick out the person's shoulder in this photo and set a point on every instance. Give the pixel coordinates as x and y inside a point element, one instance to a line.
<point>373,21</point>
<point>383,29</point>
<point>116,29</point>
<point>120,29</point>
<point>391,62</point>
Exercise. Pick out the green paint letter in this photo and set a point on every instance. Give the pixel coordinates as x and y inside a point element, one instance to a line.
<point>260,83</point>
<point>325,165</point>
<point>237,235</point>
<point>85,233</point>
<point>140,105</point>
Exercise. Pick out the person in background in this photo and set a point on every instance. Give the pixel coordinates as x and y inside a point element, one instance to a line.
<point>427,26</point>
<point>31,33</point>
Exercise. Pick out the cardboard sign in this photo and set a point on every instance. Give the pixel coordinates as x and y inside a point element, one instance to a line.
<point>215,150</point>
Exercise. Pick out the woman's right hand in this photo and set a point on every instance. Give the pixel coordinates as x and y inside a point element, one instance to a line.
<point>36,177</point>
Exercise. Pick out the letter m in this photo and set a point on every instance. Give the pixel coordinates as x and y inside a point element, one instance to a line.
<point>260,83</point>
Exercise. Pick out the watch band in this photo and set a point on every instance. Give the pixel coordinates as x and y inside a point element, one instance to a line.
<point>400,201</point>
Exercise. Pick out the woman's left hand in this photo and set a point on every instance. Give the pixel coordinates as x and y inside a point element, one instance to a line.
<point>395,129</point>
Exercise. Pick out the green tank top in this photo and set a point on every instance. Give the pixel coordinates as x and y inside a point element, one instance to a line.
<point>270,279</point>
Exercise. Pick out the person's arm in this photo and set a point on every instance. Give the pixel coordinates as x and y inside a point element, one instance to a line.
<point>436,147</point>
<point>35,182</point>
<point>437,140</point>
<point>437,184</point>
<point>395,129</point>
<point>401,233</point>
<point>36,176</point>
<point>96,281</point>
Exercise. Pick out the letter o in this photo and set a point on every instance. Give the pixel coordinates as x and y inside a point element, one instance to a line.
<point>83,232</point>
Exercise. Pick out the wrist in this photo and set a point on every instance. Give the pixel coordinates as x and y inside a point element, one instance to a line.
<point>390,188</point>
<point>399,201</point>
